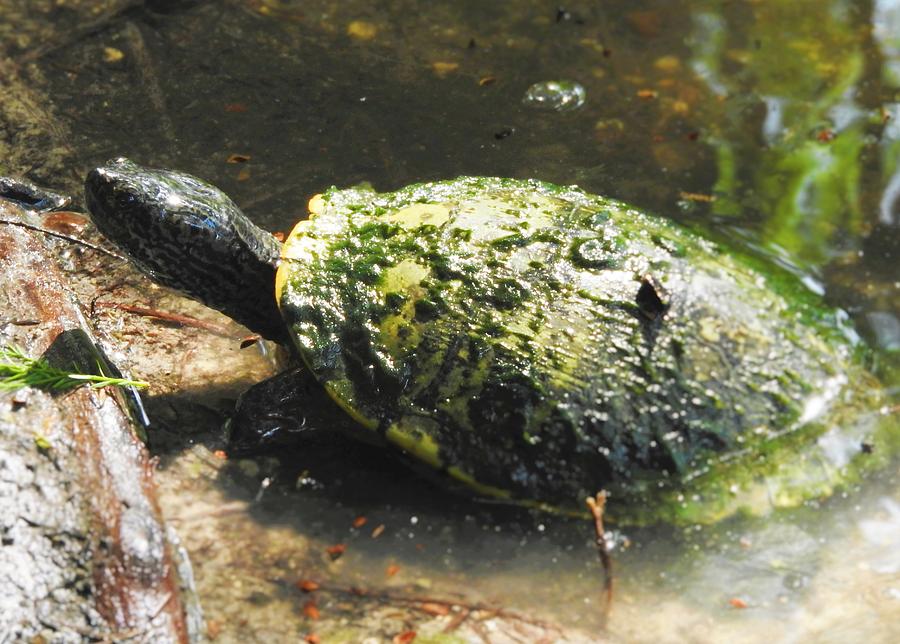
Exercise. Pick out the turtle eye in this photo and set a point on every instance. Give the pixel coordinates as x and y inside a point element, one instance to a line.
<point>124,199</point>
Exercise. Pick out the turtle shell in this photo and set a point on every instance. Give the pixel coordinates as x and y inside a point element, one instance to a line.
<point>539,344</point>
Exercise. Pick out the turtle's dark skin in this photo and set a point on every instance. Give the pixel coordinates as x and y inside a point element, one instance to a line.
<point>533,342</point>
<point>182,233</point>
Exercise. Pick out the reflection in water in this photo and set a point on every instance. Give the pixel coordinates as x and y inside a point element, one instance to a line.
<point>888,206</point>
<point>773,126</point>
<point>883,534</point>
<point>794,69</point>
<point>886,31</point>
<point>807,139</point>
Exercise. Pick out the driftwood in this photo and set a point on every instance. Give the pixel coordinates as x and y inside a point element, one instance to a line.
<point>84,554</point>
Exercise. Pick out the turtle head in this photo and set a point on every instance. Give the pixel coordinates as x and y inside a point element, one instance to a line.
<point>188,235</point>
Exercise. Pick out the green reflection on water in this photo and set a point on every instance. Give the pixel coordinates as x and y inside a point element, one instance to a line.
<point>794,127</point>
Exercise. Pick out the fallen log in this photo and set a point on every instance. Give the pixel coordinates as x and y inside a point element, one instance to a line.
<point>84,553</point>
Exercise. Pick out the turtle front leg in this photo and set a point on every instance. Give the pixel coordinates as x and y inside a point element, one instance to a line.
<point>285,410</point>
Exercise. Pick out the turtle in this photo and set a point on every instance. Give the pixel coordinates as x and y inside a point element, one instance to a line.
<point>532,342</point>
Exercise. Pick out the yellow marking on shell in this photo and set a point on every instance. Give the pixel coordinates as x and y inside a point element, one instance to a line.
<point>425,449</point>
<point>299,242</point>
<point>341,392</point>
<point>489,219</point>
<point>420,214</point>
<point>281,276</point>
<point>416,442</point>
<point>505,497</point>
<point>389,333</point>
<point>479,488</point>
<point>316,205</point>
<point>403,277</point>
<point>709,330</point>
<point>299,245</point>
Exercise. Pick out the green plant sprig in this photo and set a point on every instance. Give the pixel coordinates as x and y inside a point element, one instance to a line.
<point>17,370</point>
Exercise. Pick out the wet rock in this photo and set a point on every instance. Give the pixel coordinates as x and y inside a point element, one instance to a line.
<point>84,551</point>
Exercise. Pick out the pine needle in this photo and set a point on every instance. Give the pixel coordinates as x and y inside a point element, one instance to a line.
<point>17,370</point>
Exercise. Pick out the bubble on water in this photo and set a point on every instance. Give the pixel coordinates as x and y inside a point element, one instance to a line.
<point>795,581</point>
<point>558,96</point>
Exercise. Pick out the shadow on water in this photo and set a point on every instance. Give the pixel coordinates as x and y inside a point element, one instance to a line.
<point>323,464</point>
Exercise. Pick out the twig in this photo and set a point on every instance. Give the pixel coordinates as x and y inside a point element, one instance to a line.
<point>421,604</point>
<point>184,320</point>
<point>235,507</point>
<point>166,600</point>
<point>74,240</point>
<point>457,620</point>
<point>597,505</point>
<point>482,633</point>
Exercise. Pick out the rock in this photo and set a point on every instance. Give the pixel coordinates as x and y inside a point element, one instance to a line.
<point>85,553</point>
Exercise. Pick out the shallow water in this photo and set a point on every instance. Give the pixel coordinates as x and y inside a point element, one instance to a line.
<point>775,125</point>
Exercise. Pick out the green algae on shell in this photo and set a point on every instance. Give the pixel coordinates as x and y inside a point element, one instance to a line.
<point>539,344</point>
